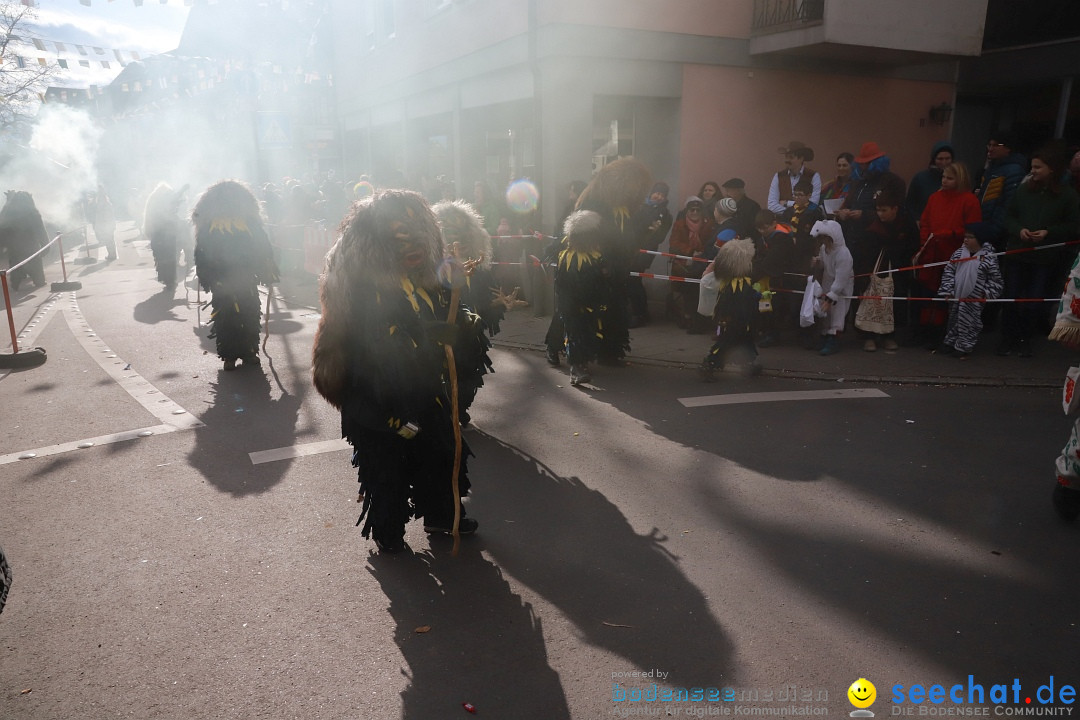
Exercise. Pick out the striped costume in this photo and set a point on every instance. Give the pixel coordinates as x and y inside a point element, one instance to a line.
<point>963,278</point>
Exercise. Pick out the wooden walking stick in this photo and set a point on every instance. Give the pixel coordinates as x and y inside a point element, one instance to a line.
<point>266,318</point>
<point>451,367</point>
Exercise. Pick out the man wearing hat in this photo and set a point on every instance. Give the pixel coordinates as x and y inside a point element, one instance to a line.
<point>796,155</point>
<point>747,209</point>
<point>872,176</point>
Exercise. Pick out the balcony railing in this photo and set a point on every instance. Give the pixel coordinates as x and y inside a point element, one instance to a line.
<point>780,15</point>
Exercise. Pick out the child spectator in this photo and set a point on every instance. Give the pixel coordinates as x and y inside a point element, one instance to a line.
<point>582,288</point>
<point>837,282</point>
<point>895,236</point>
<point>801,216</point>
<point>736,309</point>
<point>727,225</point>
<point>972,273</point>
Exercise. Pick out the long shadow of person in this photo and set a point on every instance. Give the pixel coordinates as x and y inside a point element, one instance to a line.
<point>624,591</point>
<point>244,408</point>
<point>477,642</point>
<point>157,308</point>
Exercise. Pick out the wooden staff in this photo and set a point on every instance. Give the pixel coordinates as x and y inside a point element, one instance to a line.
<point>451,366</point>
<point>266,318</point>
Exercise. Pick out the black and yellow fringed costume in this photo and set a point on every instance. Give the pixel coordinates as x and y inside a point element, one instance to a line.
<point>465,239</point>
<point>583,288</point>
<point>615,194</point>
<point>736,311</point>
<point>379,358</point>
<point>232,256</point>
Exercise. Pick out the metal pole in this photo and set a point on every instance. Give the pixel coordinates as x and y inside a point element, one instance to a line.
<point>10,316</point>
<point>1063,108</point>
<point>60,245</point>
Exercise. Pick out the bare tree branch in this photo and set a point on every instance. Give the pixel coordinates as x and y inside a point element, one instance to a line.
<point>23,79</point>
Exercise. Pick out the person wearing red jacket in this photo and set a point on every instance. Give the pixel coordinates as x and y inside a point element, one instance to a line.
<point>941,232</point>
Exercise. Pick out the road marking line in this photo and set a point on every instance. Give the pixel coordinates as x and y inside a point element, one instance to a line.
<point>153,400</point>
<point>741,398</point>
<point>165,409</point>
<point>94,441</point>
<point>295,451</point>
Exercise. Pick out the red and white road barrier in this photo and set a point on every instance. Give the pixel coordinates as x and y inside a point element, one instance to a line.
<point>34,356</point>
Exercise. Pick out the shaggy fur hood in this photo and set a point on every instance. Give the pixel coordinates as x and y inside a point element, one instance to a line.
<point>463,231</point>
<point>228,201</point>
<point>376,235</point>
<point>734,259</point>
<point>582,230</point>
<point>623,183</point>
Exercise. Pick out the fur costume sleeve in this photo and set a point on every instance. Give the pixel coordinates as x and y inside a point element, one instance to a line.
<point>1067,324</point>
<point>328,363</point>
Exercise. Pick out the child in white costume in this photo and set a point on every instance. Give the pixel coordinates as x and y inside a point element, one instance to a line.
<point>1067,332</point>
<point>837,281</point>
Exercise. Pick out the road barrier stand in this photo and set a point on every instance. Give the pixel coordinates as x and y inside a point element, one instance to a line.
<point>32,357</point>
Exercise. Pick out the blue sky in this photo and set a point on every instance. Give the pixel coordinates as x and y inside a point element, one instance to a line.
<point>112,26</point>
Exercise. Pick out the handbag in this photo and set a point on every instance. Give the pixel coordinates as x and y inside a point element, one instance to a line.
<point>811,303</point>
<point>708,291</point>
<point>874,314</point>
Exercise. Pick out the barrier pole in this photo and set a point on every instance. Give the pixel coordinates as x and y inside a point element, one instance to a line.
<point>60,247</point>
<point>10,315</point>
<point>63,286</point>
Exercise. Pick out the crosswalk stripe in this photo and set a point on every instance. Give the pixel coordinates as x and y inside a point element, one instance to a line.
<point>295,451</point>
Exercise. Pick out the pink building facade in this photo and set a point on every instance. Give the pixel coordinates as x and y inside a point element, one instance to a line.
<point>492,90</point>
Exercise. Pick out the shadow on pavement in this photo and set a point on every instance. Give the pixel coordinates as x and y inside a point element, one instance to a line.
<point>245,416</point>
<point>158,308</point>
<point>965,551</point>
<point>485,645</point>
<point>623,591</point>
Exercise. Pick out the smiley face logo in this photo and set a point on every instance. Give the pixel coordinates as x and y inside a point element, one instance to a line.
<point>862,693</point>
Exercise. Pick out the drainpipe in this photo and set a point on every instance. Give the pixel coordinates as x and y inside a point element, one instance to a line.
<point>1063,107</point>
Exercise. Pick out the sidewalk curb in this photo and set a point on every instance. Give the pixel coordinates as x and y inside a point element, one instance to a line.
<point>940,381</point>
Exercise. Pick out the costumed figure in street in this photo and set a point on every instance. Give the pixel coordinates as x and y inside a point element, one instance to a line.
<point>1067,332</point>
<point>232,256</point>
<point>465,240</point>
<point>582,291</point>
<point>736,311</point>
<point>102,218</point>
<point>615,194</point>
<point>389,335</point>
<point>166,230</point>
<point>23,233</point>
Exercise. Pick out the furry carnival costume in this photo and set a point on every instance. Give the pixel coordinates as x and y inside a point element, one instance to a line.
<point>23,233</point>
<point>232,256</point>
<point>615,194</point>
<point>736,310</point>
<point>166,231</point>
<point>582,291</point>
<point>379,358</point>
<point>465,239</point>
